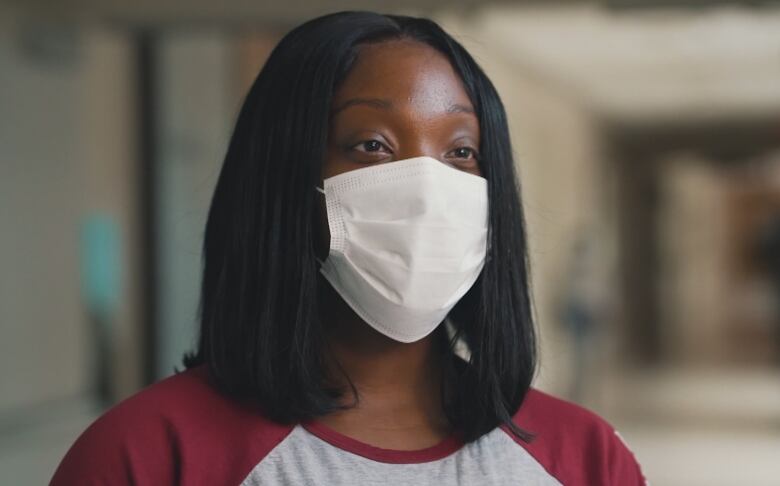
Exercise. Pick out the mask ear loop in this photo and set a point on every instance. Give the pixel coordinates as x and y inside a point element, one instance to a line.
<point>321,191</point>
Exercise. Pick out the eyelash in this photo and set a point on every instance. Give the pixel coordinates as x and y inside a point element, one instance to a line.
<point>472,151</point>
<point>370,141</point>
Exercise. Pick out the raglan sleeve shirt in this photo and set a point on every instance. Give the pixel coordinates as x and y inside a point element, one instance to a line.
<point>182,431</point>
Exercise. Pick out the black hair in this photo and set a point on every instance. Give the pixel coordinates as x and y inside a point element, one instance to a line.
<point>260,331</point>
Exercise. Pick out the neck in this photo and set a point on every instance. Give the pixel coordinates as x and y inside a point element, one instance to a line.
<point>398,384</point>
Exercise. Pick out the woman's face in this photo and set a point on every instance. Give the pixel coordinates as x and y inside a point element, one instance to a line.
<point>401,99</point>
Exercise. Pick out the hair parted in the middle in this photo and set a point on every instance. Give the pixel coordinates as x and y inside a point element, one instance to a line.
<point>261,335</point>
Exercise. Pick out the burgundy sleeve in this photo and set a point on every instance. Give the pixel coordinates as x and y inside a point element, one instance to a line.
<point>180,431</point>
<point>575,445</point>
<point>119,449</point>
<point>624,468</point>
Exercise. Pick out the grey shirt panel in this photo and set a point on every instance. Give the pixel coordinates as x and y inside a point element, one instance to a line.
<point>302,458</point>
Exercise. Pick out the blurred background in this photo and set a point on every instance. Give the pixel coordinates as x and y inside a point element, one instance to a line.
<point>647,135</point>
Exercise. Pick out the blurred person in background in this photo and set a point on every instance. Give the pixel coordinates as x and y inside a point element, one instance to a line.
<point>365,305</point>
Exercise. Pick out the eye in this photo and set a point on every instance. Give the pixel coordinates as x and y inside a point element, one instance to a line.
<point>463,153</point>
<point>370,146</point>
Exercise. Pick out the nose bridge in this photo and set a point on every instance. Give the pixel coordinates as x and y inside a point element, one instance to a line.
<point>419,145</point>
<point>416,144</point>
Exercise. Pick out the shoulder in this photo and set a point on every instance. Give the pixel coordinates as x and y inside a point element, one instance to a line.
<point>180,430</point>
<point>574,444</point>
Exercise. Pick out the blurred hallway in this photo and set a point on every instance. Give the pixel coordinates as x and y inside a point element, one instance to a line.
<point>648,147</point>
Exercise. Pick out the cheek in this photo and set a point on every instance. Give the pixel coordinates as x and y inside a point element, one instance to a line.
<point>330,164</point>
<point>335,163</point>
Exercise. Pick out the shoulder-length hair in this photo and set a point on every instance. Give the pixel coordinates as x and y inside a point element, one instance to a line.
<point>260,331</point>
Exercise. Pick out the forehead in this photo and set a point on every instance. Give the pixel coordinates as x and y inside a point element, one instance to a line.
<point>405,72</point>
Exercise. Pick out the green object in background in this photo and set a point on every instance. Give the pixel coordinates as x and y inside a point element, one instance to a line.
<point>100,264</point>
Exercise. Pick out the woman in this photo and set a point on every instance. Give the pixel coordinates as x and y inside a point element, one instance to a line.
<point>365,313</point>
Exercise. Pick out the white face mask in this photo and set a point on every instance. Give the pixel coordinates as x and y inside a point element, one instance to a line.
<point>407,241</point>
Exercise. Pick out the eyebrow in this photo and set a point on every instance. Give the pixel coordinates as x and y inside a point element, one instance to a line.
<point>384,104</point>
<point>375,102</point>
<point>460,109</point>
